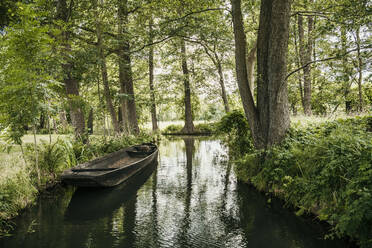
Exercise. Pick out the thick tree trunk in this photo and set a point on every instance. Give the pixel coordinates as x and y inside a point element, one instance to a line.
<point>70,82</point>
<point>223,89</point>
<point>305,57</point>
<point>360,74</point>
<point>106,87</point>
<point>189,125</point>
<point>272,48</point>
<point>154,119</point>
<point>270,120</point>
<point>251,62</point>
<point>125,74</point>
<point>76,112</point>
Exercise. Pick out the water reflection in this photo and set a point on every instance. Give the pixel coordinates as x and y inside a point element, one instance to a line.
<point>191,199</point>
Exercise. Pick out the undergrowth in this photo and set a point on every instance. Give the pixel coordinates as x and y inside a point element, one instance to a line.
<point>325,169</point>
<point>202,128</point>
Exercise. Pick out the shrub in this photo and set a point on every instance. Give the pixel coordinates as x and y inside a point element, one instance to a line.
<point>173,128</point>
<point>234,129</point>
<point>207,128</point>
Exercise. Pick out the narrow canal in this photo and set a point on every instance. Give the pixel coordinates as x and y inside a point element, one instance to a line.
<point>190,199</point>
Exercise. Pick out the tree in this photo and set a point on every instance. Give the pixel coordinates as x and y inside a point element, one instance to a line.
<point>154,119</point>
<point>189,125</point>
<point>102,62</point>
<point>70,81</point>
<point>305,57</point>
<point>128,103</point>
<point>269,120</point>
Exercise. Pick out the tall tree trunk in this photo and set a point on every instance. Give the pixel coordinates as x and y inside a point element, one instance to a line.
<point>41,121</point>
<point>298,63</point>
<point>151,80</point>
<point>70,82</point>
<point>223,89</point>
<point>360,74</point>
<point>272,49</point>
<point>106,87</point>
<point>345,71</point>
<point>189,125</point>
<point>270,120</point>
<point>305,57</point>
<point>242,75</point>
<point>251,62</point>
<point>125,74</point>
<point>217,62</point>
<point>76,112</point>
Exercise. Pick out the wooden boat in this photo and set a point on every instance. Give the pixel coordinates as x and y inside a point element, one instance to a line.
<point>112,169</point>
<point>103,202</point>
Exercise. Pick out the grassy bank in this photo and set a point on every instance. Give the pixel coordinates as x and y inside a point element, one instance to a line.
<point>323,168</point>
<point>22,179</point>
<point>200,129</point>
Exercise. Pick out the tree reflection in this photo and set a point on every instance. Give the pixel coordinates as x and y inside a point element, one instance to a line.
<point>189,145</point>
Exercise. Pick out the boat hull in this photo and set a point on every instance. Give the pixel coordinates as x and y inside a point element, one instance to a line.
<point>109,178</point>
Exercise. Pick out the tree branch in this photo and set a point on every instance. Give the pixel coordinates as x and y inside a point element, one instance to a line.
<point>187,15</point>
<point>326,59</point>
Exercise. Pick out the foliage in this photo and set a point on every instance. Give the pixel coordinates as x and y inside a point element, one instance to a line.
<point>201,128</point>
<point>325,169</point>
<point>173,128</point>
<point>235,130</point>
<point>205,128</point>
<point>25,83</point>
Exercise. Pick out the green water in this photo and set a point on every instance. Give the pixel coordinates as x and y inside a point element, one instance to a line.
<point>191,198</point>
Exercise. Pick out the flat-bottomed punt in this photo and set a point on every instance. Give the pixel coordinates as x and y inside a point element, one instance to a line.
<point>112,169</point>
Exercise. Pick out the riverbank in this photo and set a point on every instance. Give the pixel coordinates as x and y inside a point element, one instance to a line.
<point>209,209</point>
<point>25,176</point>
<point>323,168</point>
<point>201,129</point>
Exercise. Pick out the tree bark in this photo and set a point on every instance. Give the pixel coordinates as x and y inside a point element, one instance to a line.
<point>189,125</point>
<point>223,89</point>
<point>41,121</point>
<point>154,119</point>
<point>305,57</point>
<point>125,74</point>
<point>246,95</point>
<point>70,82</point>
<point>272,48</point>
<point>360,74</point>
<point>298,62</point>
<point>251,62</point>
<point>269,121</point>
<point>106,87</point>
<point>217,62</point>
